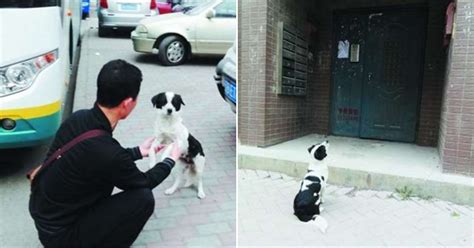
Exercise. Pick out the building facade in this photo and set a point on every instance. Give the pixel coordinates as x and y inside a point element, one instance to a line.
<point>398,70</point>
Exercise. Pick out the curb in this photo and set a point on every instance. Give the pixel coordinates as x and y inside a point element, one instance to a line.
<point>456,193</point>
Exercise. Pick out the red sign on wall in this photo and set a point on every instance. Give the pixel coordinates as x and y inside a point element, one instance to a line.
<point>348,114</point>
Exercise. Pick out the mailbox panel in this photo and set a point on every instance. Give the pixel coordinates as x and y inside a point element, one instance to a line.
<point>292,64</point>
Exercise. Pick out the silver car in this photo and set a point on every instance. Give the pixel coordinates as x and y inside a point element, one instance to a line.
<point>114,14</point>
<point>207,29</point>
<point>226,75</point>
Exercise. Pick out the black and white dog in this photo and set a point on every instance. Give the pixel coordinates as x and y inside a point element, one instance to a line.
<point>308,200</point>
<point>169,128</point>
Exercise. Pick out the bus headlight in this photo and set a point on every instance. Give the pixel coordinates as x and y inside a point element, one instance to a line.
<point>20,76</point>
<point>3,85</point>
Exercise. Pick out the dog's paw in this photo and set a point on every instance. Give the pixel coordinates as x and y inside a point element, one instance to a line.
<point>152,162</point>
<point>169,191</point>
<point>201,195</point>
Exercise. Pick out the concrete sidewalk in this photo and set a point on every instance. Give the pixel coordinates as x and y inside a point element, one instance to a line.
<point>355,217</point>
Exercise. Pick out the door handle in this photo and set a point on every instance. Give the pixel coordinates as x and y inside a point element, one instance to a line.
<point>370,76</point>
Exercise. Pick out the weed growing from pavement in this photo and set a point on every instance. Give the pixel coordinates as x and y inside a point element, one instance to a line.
<point>454,214</point>
<point>426,197</point>
<point>405,192</point>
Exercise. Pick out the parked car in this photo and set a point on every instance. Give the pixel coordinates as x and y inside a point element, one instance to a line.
<point>85,8</point>
<point>114,14</point>
<point>207,29</point>
<point>225,77</point>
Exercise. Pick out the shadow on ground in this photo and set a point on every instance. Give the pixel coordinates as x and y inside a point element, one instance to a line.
<point>194,61</point>
<point>19,161</point>
<point>122,33</point>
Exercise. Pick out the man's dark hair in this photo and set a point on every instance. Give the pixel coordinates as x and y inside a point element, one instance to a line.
<point>117,81</point>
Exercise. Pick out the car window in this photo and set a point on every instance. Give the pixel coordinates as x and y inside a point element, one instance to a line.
<point>200,8</point>
<point>193,2</point>
<point>28,3</point>
<point>226,9</point>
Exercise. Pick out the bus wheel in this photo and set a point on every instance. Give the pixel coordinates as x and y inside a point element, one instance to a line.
<point>173,50</point>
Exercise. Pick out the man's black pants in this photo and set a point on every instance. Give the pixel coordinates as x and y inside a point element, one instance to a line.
<point>113,222</point>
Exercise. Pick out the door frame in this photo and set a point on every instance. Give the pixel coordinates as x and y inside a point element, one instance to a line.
<point>422,8</point>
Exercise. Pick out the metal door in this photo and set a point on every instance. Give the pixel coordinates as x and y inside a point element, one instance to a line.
<point>385,81</point>
<point>348,76</point>
<point>393,75</point>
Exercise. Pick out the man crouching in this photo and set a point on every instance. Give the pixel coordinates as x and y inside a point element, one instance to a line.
<point>71,199</point>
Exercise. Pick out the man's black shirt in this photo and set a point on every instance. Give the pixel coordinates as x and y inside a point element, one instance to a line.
<point>87,173</point>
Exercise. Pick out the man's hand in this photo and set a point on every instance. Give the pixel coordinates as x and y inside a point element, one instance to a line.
<point>146,145</point>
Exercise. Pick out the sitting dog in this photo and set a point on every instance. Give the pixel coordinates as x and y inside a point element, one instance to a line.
<point>169,128</point>
<point>308,200</point>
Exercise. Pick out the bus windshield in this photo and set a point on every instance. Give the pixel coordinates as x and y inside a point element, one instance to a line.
<point>28,3</point>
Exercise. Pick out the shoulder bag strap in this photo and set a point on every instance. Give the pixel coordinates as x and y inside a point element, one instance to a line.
<point>57,154</point>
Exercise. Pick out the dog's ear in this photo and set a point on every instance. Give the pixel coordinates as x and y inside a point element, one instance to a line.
<point>159,100</point>
<point>180,99</point>
<point>310,148</point>
<point>320,153</point>
<point>177,102</point>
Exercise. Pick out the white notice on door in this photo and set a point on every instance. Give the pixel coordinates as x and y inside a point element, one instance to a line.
<point>343,49</point>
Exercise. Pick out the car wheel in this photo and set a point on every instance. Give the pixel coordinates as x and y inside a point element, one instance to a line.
<point>103,32</point>
<point>173,50</point>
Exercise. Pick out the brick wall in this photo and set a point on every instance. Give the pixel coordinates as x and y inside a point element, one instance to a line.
<point>456,142</point>
<point>433,76</point>
<point>264,117</point>
<point>251,72</point>
<point>284,117</point>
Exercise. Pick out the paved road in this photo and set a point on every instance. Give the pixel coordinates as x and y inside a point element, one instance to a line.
<point>355,217</point>
<point>16,226</point>
<point>180,219</point>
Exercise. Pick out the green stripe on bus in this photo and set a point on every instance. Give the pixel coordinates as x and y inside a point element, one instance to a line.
<point>30,132</point>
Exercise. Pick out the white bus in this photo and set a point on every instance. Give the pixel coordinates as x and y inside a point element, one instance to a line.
<point>38,41</point>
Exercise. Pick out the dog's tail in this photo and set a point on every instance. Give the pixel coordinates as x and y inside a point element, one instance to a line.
<point>320,223</point>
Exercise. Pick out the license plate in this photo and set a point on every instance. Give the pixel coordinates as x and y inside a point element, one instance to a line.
<point>229,86</point>
<point>129,7</point>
